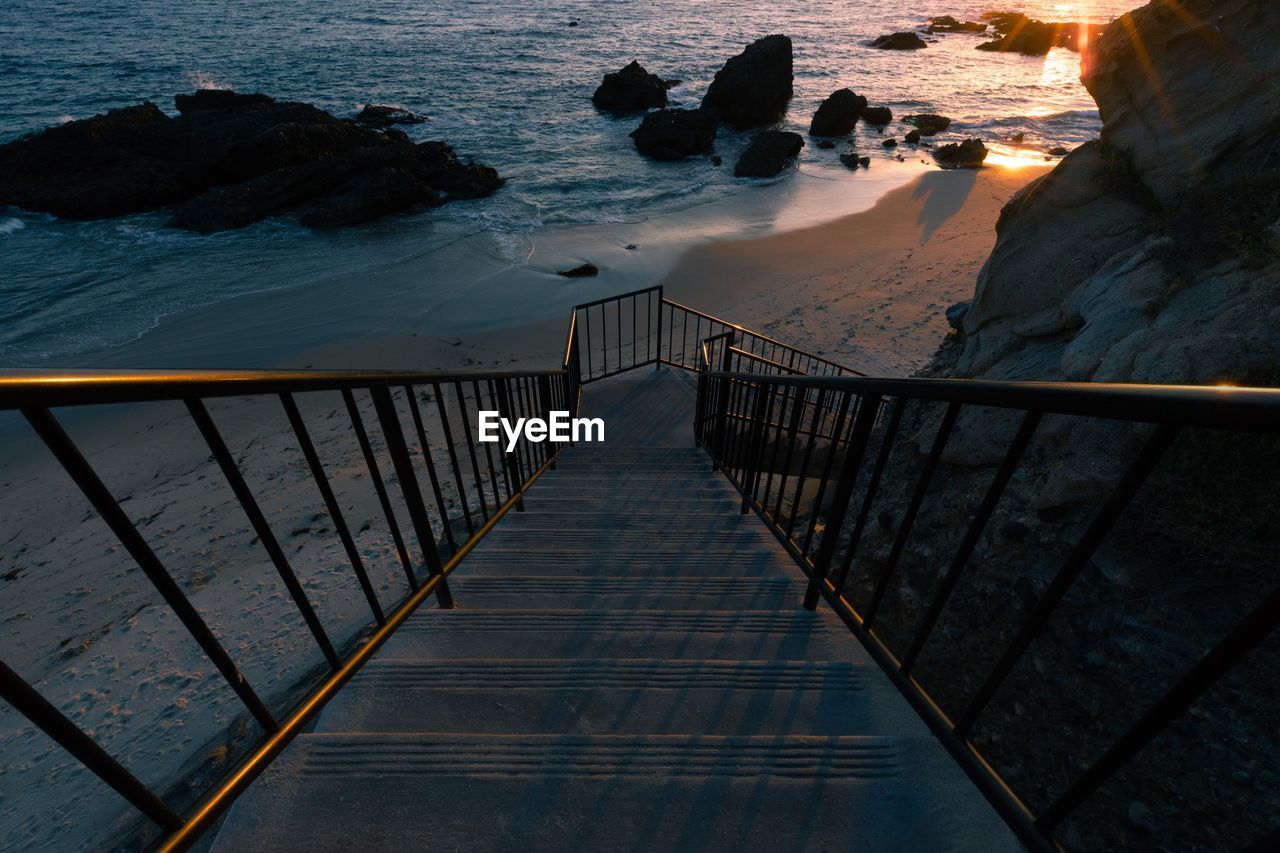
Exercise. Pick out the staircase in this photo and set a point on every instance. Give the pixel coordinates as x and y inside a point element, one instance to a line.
<point>628,668</point>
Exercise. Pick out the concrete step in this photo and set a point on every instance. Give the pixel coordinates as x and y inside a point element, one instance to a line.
<point>655,541</point>
<point>623,593</point>
<point>601,696</point>
<point>568,634</point>
<point>584,793</point>
<point>762,560</point>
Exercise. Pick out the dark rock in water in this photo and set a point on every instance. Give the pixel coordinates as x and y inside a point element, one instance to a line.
<point>890,143</point>
<point>1021,34</point>
<point>671,134</point>
<point>383,116</point>
<point>219,99</point>
<point>961,155</point>
<point>850,159</point>
<point>630,90</point>
<point>228,160</point>
<point>1018,138</point>
<point>879,116</point>
<point>955,314</point>
<point>584,271</point>
<point>826,143</point>
<point>948,24</point>
<point>342,191</point>
<point>768,155</point>
<point>928,124</point>
<point>631,247</point>
<point>838,114</point>
<point>913,137</point>
<point>900,41</point>
<point>717,160</point>
<point>1059,151</point>
<point>573,23</point>
<point>753,87</point>
<point>671,82</point>
<point>864,162</point>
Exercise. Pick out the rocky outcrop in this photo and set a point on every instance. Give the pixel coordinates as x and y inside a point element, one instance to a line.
<point>1149,256</point>
<point>1021,34</point>
<point>768,154</point>
<point>672,134</point>
<point>630,90</point>
<point>838,114</point>
<point>382,116</point>
<point>878,116</point>
<point>754,87</point>
<point>948,24</point>
<point>968,154</point>
<point>900,41</point>
<point>230,159</point>
<point>1120,277</point>
<point>929,124</point>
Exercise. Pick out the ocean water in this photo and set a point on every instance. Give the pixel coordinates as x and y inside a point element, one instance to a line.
<point>506,82</point>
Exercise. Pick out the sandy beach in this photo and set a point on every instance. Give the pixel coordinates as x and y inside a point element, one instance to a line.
<point>869,289</point>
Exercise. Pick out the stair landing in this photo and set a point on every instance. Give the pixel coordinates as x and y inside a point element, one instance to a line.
<point>628,668</point>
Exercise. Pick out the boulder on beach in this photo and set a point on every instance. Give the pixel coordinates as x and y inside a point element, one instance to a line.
<point>838,114</point>
<point>630,90</point>
<point>968,154</point>
<point>929,124</point>
<point>228,160</point>
<point>754,87</point>
<point>900,41</point>
<point>878,116</point>
<point>826,143</point>
<point>948,24</point>
<point>672,134</point>
<point>889,143</point>
<point>586,270</point>
<point>769,153</point>
<point>385,115</point>
<point>850,159</point>
<point>912,137</point>
<point>1058,151</point>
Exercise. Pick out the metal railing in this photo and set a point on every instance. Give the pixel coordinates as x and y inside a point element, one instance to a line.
<point>802,451</point>
<point>807,441</point>
<point>434,410</point>
<point>643,327</point>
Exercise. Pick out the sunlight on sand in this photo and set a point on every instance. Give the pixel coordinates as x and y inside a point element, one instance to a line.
<point>1007,158</point>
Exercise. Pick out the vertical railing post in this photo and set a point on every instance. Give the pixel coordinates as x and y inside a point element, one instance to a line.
<point>657,362</point>
<point>754,442</point>
<point>399,450</point>
<point>862,426</point>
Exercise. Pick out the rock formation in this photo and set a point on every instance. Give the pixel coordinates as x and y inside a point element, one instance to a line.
<point>754,87</point>
<point>230,159</point>
<point>630,90</point>
<point>1021,34</point>
<point>928,124</point>
<point>1149,256</point>
<point>878,116</point>
<point>769,153</point>
<point>900,41</point>
<point>948,24</point>
<point>968,154</point>
<point>382,116</point>
<point>673,134</point>
<point>838,114</point>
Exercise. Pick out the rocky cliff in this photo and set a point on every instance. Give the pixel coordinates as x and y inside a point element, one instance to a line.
<point>1151,255</point>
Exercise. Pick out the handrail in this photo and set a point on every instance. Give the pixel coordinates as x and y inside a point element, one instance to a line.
<point>772,434</point>
<point>835,367</point>
<point>800,450</point>
<point>1215,406</point>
